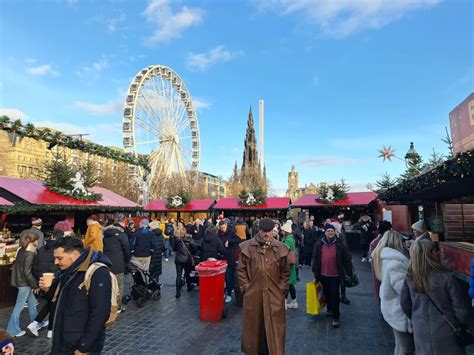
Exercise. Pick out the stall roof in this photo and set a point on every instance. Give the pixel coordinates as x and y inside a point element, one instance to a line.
<point>34,192</point>
<point>4,202</point>
<point>192,206</point>
<point>271,203</point>
<point>352,199</point>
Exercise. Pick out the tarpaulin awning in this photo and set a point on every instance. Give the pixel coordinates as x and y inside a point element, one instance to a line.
<point>4,202</point>
<point>271,203</point>
<point>352,199</point>
<point>35,193</point>
<point>192,206</point>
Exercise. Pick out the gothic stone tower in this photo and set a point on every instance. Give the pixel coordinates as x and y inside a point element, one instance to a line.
<point>292,183</point>
<point>251,172</point>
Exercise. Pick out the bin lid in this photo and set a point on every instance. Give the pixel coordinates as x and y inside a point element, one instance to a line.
<point>213,263</point>
<point>211,267</point>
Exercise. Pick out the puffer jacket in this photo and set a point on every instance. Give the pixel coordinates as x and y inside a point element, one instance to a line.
<point>44,260</point>
<point>157,255</point>
<point>93,237</point>
<point>212,247</point>
<point>394,270</point>
<point>22,272</point>
<point>116,247</point>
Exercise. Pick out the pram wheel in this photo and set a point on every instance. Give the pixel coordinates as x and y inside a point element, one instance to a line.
<point>156,295</point>
<point>125,299</point>
<point>141,302</point>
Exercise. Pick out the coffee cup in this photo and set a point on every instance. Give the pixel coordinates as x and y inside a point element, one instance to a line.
<point>48,278</point>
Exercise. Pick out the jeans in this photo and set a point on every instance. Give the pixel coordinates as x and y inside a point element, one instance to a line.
<point>230,278</point>
<point>25,294</point>
<point>120,287</point>
<point>331,293</point>
<point>167,250</point>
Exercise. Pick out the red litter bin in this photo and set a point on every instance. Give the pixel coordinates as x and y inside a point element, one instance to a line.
<point>211,289</point>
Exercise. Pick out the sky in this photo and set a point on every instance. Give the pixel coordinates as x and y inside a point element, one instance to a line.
<point>340,79</point>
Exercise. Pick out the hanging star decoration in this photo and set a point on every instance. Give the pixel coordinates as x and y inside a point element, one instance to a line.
<point>387,153</point>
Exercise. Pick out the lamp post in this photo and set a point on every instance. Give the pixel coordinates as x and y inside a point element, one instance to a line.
<point>411,157</point>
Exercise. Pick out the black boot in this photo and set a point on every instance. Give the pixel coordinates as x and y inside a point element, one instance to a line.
<point>345,300</point>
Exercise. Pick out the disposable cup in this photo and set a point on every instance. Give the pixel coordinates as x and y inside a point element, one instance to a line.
<point>48,278</point>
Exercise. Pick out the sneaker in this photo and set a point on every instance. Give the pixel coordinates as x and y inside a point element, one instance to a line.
<point>50,334</point>
<point>119,311</point>
<point>166,259</point>
<point>336,323</point>
<point>286,304</point>
<point>364,260</point>
<point>20,334</point>
<point>43,324</point>
<point>33,328</point>
<point>293,304</point>
<point>228,299</point>
<point>370,259</point>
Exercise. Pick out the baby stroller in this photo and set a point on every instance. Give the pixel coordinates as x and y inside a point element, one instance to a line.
<point>145,285</point>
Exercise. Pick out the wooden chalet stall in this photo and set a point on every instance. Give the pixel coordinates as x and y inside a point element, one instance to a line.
<point>274,207</point>
<point>353,206</point>
<point>20,199</point>
<point>444,197</point>
<point>194,209</point>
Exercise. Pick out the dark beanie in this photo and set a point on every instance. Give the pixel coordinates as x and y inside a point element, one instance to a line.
<point>266,225</point>
<point>329,226</point>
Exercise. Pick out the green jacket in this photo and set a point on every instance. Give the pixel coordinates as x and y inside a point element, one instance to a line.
<point>290,242</point>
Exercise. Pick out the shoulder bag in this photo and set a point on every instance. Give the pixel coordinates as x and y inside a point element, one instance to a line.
<point>461,332</point>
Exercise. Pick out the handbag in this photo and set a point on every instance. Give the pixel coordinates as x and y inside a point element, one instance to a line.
<point>189,253</point>
<point>462,333</point>
<point>351,281</point>
<point>315,301</point>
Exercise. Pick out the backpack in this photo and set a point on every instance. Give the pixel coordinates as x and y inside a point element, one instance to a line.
<point>169,229</point>
<point>115,290</point>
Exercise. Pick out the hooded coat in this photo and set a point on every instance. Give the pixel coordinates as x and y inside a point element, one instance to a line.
<point>93,237</point>
<point>116,247</point>
<point>44,259</point>
<point>79,321</point>
<point>433,335</point>
<point>156,261</point>
<point>394,270</point>
<point>263,280</point>
<point>212,247</point>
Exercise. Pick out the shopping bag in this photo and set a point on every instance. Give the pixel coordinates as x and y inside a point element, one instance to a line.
<point>314,298</point>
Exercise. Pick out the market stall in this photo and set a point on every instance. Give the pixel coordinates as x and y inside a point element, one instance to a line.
<point>273,207</point>
<point>7,249</point>
<point>194,209</point>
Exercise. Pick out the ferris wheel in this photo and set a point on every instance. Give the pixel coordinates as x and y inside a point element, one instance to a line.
<point>160,121</point>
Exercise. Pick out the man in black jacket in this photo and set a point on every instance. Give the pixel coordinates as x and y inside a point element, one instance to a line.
<point>79,325</point>
<point>117,249</point>
<point>197,230</point>
<point>212,246</point>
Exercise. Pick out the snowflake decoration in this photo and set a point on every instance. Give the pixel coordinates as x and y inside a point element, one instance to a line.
<point>387,153</point>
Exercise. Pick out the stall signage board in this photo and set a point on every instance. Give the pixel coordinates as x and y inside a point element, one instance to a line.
<point>436,224</point>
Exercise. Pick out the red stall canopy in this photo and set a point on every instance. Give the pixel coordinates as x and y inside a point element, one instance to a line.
<point>271,203</point>
<point>192,206</point>
<point>4,202</point>
<point>35,193</point>
<point>352,199</point>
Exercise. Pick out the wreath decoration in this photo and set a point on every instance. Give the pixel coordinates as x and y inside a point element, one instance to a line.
<point>178,201</point>
<point>251,198</point>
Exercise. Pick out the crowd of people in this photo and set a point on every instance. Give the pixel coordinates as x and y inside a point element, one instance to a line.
<point>419,298</point>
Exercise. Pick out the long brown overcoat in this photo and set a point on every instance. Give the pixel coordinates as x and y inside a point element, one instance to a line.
<point>263,280</point>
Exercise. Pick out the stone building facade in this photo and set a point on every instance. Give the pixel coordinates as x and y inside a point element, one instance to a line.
<point>294,192</point>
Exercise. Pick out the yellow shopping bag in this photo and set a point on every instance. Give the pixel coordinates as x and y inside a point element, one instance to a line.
<point>314,298</point>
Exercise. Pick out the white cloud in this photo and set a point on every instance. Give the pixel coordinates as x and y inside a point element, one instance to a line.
<point>13,113</point>
<point>201,104</point>
<point>202,61</point>
<point>342,18</point>
<point>167,24</point>
<point>112,107</point>
<point>30,61</point>
<point>318,161</point>
<point>92,72</point>
<point>42,70</point>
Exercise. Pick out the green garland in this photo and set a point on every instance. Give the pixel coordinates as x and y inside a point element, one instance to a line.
<point>257,198</point>
<point>45,134</point>
<point>338,192</point>
<point>92,196</point>
<point>25,207</point>
<point>454,169</point>
<point>178,201</point>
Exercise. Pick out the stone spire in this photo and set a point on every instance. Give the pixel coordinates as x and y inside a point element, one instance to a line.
<point>251,169</point>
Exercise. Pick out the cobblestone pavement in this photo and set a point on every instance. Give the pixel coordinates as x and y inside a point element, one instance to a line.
<point>170,326</point>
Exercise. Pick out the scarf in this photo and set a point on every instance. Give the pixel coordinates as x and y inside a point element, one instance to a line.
<point>328,242</point>
<point>263,244</point>
<point>69,273</point>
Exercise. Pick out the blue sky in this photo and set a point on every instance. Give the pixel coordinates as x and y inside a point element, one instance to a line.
<point>340,79</point>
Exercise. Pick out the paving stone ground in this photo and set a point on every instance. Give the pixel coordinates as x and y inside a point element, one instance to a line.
<point>170,326</point>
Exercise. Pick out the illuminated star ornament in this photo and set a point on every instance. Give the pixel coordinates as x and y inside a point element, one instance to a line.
<point>387,153</point>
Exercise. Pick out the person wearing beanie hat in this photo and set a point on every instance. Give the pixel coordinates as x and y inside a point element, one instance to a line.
<point>94,234</point>
<point>289,241</point>
<point>419,230</point>
<point>143,244</point>
<point>36,225</point>
<point>6,342</point>
<point>264,272</point>
<point>331,260</point>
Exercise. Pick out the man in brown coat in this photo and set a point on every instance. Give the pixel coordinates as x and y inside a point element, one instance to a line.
<point>264,272</point>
